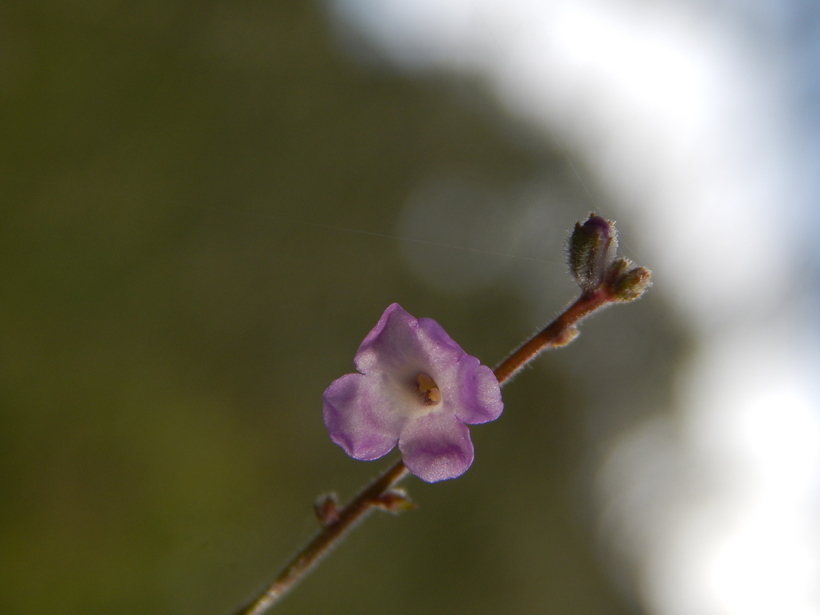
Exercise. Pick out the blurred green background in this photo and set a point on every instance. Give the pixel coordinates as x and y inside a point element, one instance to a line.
<point>177,292</point>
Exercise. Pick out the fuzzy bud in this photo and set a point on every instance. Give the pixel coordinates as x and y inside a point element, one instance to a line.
<point>632,284</point>
<point>591,250</point>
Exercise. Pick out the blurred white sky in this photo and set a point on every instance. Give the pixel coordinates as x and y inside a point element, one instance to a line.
<point>687,113</point>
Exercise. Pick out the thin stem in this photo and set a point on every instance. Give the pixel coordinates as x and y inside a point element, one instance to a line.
<point>559,332</point>
<point>356,510</point>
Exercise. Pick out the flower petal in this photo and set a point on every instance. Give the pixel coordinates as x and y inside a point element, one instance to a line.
<point>391,345</point>
<point>441,351</point>
<point>359,418</point>
<point>479,394</point>
<point>436,447</point>
<point>401,343</point>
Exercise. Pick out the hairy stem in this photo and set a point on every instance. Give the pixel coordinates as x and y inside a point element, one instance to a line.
<point>558,333</point>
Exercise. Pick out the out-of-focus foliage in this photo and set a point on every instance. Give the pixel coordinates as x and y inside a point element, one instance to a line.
<point>173,304</point>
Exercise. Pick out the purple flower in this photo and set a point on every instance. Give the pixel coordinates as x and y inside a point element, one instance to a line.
<point>417,387</point>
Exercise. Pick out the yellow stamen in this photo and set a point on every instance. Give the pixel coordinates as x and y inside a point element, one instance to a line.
<point>428,389</point>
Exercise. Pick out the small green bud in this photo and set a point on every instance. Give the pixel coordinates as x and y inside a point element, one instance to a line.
<point>591,251</point>
<point>632,284</point>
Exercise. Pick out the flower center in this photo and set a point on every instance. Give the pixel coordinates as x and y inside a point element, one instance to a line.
<point>428,389</point>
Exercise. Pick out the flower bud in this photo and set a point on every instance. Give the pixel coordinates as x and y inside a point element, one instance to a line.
<point>327,509</point>
<point>632,284</point>
<point>618,269</point>
<point>566,336</point>
<point>591,251</point>
<point>395,501</point>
